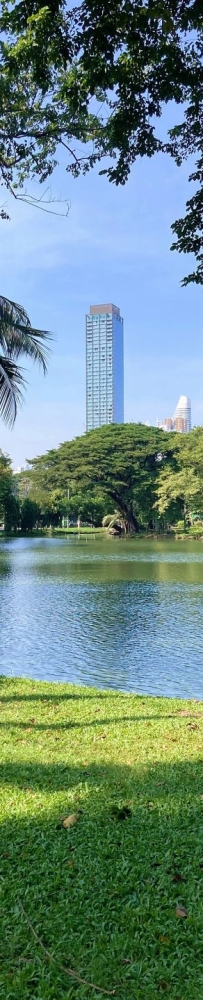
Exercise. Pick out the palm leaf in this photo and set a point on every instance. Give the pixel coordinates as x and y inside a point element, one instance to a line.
<point>18,337</point>
<point>11,383</point>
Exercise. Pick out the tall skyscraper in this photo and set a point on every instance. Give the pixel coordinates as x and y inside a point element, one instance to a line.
<point>182,415</point>
<point>104,366</point>
<point>181,421</point>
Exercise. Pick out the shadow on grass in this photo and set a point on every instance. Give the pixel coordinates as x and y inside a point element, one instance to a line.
<point>84,695</point>
<point>103,896</point>
<point>53,698</point>
<point>85,723</point>
<point>62,727</point>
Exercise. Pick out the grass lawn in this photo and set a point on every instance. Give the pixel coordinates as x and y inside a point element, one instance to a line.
<point>79,531</point>
<point>101,896</point>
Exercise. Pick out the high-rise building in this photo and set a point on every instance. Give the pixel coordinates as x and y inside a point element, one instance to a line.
<point>181,421</point>
<point>104,366</point>
<point>166,424</point>
<point>182,415</point>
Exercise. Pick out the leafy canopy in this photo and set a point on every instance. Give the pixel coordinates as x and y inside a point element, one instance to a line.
<point>120,461</point>
<point>182,488</point>
<point>94,78</point>
<point>17,339</point>
<point>9,504</point>
<point>139,474</point>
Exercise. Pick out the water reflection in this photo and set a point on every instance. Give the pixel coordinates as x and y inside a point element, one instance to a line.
<point>118,614</point>
<point>5,564</point>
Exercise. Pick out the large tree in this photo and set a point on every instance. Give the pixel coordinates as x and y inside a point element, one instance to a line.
<point>180,490</point>
<point>94,79</point>
<point>121,461</point>
<point>9,503</point>
<point>17,339</point>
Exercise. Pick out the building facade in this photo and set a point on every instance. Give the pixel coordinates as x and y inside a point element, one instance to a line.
<point>181,421</point>
<point>104,366</point>
<point>166,424</point>
<point>182,415</point>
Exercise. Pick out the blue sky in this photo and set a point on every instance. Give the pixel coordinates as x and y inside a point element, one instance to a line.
<point>113,246</point>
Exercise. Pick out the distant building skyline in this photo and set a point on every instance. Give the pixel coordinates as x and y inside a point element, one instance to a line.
<point>181,420</point>
<point>182,415</point>
<point>104,366</point>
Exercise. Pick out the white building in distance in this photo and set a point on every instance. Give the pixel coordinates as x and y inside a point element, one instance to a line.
<point>181,421</point>
<point>182,415</point>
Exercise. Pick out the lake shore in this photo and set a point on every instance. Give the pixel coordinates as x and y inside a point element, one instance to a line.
<point>117,897</point>
<point>184,536</point>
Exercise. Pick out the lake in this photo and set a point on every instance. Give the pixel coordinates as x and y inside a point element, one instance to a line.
<point>118,613</point>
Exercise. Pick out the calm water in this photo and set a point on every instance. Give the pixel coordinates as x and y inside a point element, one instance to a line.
<point>123,614</point>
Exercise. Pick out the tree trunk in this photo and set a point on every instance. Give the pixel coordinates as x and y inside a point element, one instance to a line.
<point>185,516</point>
<point>133,525</point>
<point>132,522</point>
<point>126,512</point>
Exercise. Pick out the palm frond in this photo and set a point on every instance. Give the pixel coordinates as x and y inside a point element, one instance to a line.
<point>11,383</point>
<point>18,337</point>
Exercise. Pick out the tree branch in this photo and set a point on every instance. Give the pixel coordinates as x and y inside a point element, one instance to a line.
<point>69,972</point>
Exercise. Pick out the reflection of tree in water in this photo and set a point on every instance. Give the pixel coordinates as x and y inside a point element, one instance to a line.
<point>5,564</point>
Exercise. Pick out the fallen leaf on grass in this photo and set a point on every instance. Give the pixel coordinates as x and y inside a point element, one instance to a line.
<point>70,863</point>
<point>180,911</point>
<point>164,939</point>
<point>191,714</point>
<point>184,712</point>
<point>69,821</point>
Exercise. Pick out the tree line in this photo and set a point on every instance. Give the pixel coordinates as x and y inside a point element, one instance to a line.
<point>17,512</point>
<point>146,478</point>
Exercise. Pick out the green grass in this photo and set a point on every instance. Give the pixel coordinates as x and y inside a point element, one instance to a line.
<point>78,531</point>
<point>102,896</point>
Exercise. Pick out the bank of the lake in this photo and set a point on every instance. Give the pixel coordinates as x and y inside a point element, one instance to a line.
<point>41,532</point>
<point>87,531</point>
<point>104,897</point>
